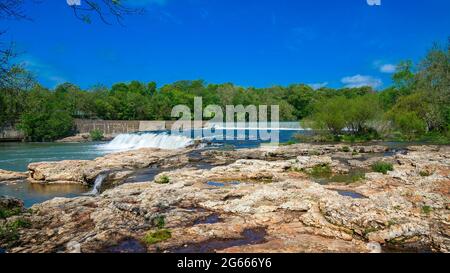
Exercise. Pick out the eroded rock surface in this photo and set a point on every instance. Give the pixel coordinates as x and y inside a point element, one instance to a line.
<point>7,176</point>
<point>120,165</point>
<point>261,203</point>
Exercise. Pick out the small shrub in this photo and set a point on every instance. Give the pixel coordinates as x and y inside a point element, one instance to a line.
<point>289,143</point>
<point>6,213</point>
<point>369,230</point>
<point>424,173</point>
<point>320,171</point>
<point>164,179</point>
<point>391,222</point>
<point>296,170</point>
<point>426,209</point>
<point>382,167</point>
<point>313,153</point>
<point>9,232</point>
<point>96,135</point>
<point>158,236</point>
<point>159,221</point>
<point>345,149</point>
<point>349,138</point>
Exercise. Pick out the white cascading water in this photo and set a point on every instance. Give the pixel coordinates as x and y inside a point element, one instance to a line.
<point>97,185</point>
<point>150,140</point>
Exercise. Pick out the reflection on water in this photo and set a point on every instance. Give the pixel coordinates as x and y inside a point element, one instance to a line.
<point>222,184</point>
<point>249,237</point>
<point>211,219</point>
<point>351,194</point>
<point>127,246</point>
<point>17,156</point>
<point>37,193</point>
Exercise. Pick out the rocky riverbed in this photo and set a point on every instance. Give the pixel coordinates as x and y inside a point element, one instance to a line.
<point>257,200</point>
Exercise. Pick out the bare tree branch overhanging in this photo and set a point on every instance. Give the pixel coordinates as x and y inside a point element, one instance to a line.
<point>106,10</point>
<point>12,9</point>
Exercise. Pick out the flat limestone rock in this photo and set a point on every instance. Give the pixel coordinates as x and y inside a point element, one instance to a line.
<point>253,205</point>
<point>8,176</point>
<point>85,171</point>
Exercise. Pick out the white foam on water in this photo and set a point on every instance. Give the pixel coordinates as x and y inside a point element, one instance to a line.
<point>97,185</point>
<point>148,140</point>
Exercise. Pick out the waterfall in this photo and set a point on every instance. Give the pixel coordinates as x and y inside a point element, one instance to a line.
<point>97,185</point>
<point>148,140</point>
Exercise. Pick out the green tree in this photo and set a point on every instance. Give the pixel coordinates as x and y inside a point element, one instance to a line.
<point>329,114</point>
<point>409,124</point>
<point>361,112</point>
<point>45,118</point>
<point>301,97</point>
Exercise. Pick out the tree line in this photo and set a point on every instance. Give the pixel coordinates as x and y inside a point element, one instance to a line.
<point>416,106</point>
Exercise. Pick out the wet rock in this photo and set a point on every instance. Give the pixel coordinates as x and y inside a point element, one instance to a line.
<point>290,152</point>
<point>8,176</point>
<point>401,208</point>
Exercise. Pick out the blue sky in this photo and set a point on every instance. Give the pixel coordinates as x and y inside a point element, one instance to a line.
<point>248,42</point>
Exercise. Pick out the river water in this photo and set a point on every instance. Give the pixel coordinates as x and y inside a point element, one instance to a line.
<point>17,156</point>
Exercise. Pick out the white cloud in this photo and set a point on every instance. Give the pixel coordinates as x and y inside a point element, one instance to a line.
<point>388,68</point>
<point>360,81</point>
<point>319,85</point>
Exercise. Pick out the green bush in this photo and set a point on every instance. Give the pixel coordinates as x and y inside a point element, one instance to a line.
<point>355,113</point>
<point>96,135</point>
<point>329,115</point>
<point>409,124</point>
<point>5,213</point>
<point>9,232</point>
<point>154,237</point>
<point>164,179</point>
<point>289,143</point>
<point>382,167</point>
<point>159,221</point>
<point>424,173</point>
<point>349,178</point>
<point>321,171</point>
<point>426,209</point>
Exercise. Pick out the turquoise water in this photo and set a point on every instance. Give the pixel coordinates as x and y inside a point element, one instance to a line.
<point>17,156</point>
